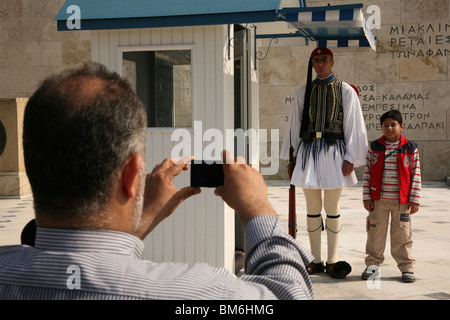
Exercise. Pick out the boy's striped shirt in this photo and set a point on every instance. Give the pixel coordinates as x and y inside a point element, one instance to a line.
<point>389,182</point>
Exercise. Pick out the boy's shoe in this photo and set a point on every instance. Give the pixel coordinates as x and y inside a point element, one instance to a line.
<point>370,272</point>
<point>408,277</point>
<point>315,268</point>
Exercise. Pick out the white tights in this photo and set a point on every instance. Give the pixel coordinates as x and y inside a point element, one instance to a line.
<point>314,222</point>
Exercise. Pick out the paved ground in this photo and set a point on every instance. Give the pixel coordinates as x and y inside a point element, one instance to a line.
<point>14,215</point>
<point>431,232</point>
<point>431,235</point>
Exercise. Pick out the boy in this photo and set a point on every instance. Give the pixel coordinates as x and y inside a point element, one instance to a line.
<point>391,185</point>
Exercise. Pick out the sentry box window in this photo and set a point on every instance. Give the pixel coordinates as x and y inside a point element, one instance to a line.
<point>162,80</point>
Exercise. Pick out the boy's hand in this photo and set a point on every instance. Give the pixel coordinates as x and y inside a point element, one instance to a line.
<point>413,208</point>
<point>369,205</point>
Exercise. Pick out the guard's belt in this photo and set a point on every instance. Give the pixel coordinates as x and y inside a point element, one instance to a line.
<point>329,136</point>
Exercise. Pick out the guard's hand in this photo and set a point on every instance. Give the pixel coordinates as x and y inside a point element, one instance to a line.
<point>290,168</point>
<point>244,189</point>
<point>161,197</point>
<point>347,168</point>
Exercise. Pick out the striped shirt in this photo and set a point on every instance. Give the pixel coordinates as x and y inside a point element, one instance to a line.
<point>389,181</point>
<point>102,264</point>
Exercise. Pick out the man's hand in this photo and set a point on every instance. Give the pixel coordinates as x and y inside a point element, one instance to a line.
<point>347,168</point>
<point>244,189</point>
<point>161,197</point>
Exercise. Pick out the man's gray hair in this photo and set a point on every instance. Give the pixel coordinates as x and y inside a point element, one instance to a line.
<point>80,128</point>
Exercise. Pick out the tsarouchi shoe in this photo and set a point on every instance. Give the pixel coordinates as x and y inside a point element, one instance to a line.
<point>315,268</point>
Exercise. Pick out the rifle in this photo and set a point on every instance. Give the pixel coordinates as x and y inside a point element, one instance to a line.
<point>292,224</point>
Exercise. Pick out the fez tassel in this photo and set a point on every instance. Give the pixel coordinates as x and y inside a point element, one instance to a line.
<point>292,224</point>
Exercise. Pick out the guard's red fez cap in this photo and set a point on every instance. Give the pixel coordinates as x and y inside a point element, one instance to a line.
<point>321,50</point>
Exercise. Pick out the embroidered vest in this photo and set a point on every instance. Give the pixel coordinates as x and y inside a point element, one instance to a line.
<point>323,116</point>
<point>405,156</point>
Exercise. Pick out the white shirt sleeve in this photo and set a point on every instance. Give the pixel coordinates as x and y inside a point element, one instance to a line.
<point>354,127</point>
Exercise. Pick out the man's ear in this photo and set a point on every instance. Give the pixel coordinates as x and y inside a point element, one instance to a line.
<point>130,176</point>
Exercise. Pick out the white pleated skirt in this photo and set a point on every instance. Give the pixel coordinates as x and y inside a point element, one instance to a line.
<point>319,166</point>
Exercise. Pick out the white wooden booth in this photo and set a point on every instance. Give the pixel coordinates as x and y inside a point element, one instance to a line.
<point>202,228</point>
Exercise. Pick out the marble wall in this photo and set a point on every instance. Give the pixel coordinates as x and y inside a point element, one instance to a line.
<point>13,179</point>
<point>31,48</point>
<point>409,71</point>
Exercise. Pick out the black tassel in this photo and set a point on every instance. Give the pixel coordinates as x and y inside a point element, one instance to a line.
<point>307,102</point>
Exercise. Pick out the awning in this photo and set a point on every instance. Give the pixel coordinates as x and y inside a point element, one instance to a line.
<point>340,26</point>
<point>343,25</point>
<point>119,14</point>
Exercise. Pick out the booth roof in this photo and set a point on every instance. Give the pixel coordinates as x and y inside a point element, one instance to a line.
<point>107,14</point>
<point>343,24</point>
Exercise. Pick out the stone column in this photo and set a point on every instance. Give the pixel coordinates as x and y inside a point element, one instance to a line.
<point>13,179</point>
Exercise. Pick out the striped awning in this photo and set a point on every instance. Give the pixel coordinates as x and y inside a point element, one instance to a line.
<point>341,26</point>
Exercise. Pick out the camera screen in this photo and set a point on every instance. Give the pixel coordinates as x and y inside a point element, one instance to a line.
<point>206,175</point>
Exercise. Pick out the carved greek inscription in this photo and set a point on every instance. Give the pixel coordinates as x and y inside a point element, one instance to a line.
<point>421,122</point>
<point>420,40</point>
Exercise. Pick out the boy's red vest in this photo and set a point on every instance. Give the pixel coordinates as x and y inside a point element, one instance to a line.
<point>405,158</point>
